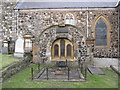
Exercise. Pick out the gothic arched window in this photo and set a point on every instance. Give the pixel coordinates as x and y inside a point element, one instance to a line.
<point>69,50</point>
<point>69,19</point>
<point>101,33</point>
<point>62,44</point>
<point>56,50</point>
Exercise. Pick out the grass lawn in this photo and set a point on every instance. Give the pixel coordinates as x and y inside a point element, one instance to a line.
<point>6,60</point>
<point>22,80</point>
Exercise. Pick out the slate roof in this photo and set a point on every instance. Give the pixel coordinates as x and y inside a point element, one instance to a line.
<point>118,4</point>
<point>22,4</point>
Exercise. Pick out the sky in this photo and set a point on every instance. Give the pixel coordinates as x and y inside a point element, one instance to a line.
<point>76,0</point>
<point>66,0</point>
<point>72,0</point>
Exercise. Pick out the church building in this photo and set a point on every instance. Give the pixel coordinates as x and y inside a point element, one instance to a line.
<point>59,31</point>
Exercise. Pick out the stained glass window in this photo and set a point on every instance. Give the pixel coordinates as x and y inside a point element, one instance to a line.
<point>62,44</point>
<point>56,50</point>
<point>68,50</point>
<point>101,33</point>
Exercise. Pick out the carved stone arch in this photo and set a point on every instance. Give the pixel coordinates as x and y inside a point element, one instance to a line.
<point>49,35</point>
<point>108,30</point>
<point>63,25</point>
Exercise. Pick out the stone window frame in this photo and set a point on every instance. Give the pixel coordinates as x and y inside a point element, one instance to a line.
<point>69,17</point>
<point>108,30</point>
<point>67,41</point>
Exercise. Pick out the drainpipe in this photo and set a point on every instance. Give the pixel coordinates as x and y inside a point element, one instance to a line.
<point>118,31</point>
<point>17,31</point>
<point>87,24</point>
<point>16,20</point>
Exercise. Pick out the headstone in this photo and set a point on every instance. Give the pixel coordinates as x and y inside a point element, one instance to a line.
<point>95,70</point>
<point>0,46</point>
<point>11,47</point>
<point>19,47</point>
<point>61,63</point>
<point>5,47</point>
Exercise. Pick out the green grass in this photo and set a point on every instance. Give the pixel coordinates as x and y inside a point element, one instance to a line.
<point>22,80</point>
<point>6,60</point>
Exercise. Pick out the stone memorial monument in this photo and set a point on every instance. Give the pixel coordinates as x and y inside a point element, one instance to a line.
<point>19,47</point>
<point>5,47</point>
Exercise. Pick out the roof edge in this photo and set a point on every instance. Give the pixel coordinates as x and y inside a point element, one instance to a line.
<point>118,3</point>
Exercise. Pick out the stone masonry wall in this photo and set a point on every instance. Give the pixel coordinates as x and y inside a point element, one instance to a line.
<point>112,17</point>
<point>37,20</point>
<point>50,35</point>
<point>8,19</point>
<point>16,67</point>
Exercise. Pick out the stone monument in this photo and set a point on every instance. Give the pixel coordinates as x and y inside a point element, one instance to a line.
<point>19,47</point>
<point>5,47</point>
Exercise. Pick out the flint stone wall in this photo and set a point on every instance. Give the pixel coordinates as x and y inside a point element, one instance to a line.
<point>15,67</point>
<point>37,20</point>
<point>50,35</point>
<point>8,19</point>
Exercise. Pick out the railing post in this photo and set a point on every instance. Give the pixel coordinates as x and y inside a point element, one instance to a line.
<point>82,68</point>
<point>38,67</point>
<point>47,72</point>
<point>68,73</point>
<point>66,62</point>
<point>32,73</point>
<point>79,62</point>
<point>85,73</point>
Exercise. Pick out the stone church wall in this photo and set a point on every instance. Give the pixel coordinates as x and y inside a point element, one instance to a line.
<point>112,17</point>
<point>8,19</point>
<point>50,35</point>
<point>37,20</point>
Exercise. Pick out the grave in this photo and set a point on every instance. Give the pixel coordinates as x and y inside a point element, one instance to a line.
<point>95,70</point>
<point>61,63</point>
<point>19,47</point>
<point>59,74</point>
<point>11,47</point>
<point>61,71</point>
<point>5,47</point>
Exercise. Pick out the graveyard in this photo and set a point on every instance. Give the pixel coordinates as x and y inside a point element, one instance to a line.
<point>59,44</point>
<point>6,60</point>
<point>23,80</point>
